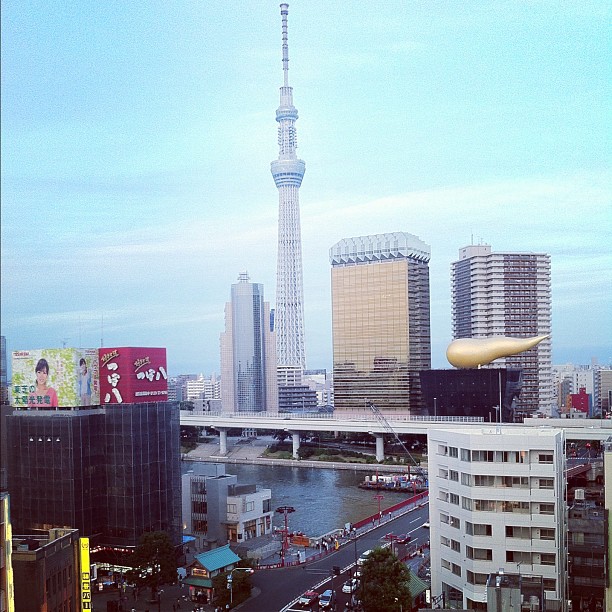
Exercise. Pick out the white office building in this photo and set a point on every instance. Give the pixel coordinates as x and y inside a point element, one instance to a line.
<point>496,501</point>
<point>217,510</point>
<point>203,388</point>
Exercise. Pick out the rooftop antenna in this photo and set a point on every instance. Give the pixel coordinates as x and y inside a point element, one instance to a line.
<point>64,342</point>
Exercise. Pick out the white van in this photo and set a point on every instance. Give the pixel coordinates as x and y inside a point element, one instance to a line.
<point>364,557</point>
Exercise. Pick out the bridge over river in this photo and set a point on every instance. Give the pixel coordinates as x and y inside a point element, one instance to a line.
<point>366,422</point>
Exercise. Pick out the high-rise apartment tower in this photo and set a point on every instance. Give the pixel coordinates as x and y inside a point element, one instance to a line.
<point>248,352</point>
<point>288,172</point>
<point>380,321</point>
<point>507,294</point>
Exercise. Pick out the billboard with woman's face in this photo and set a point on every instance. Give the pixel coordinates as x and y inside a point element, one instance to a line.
<point>51,378</point>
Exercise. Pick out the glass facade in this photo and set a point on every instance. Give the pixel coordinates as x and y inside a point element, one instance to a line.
<point>112,471</point>
<point>381,331</point>
<point>248,359</point>
<point>471,392</point>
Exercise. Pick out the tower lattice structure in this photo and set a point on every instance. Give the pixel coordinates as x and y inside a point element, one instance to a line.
<point>288,172</point>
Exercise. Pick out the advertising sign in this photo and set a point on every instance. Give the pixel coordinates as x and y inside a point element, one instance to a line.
<point>131,375</point>
<point>51,378</point>
<point>85,575</point>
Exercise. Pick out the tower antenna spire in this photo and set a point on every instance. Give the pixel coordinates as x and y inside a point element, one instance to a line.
<point>284,12</point>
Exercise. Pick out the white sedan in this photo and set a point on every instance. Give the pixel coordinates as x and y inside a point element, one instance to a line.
<point>350,586</point>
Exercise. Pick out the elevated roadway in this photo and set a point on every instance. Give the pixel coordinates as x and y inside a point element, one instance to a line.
<point>366,422</point>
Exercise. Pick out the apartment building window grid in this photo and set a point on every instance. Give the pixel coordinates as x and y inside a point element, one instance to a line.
<point>491,498</point>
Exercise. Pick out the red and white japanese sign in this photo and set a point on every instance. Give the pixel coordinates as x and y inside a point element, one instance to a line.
<point>132,375</point>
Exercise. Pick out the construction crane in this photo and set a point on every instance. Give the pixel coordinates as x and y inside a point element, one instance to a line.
<point>417,469</point>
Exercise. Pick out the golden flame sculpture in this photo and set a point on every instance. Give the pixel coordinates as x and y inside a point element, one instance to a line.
<point>475,352</point>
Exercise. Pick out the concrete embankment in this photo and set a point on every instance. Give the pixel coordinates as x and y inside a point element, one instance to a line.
<point>246,453</point>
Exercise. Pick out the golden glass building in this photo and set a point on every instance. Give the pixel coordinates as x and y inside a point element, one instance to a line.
<point>380,321</point>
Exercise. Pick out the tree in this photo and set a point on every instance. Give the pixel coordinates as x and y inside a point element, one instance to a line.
<point>384,583</point>
<point>241,586</point>
<point>154,562</point>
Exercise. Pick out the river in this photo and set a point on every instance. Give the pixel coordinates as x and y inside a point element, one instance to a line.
<point>323,499</point>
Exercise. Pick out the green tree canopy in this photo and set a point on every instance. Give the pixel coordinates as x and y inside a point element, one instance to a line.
<point>241,586</point>
<point>154,561</point>
<point>384,583</point>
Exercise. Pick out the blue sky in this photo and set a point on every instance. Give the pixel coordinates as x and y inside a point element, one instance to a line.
<point>137,139</point>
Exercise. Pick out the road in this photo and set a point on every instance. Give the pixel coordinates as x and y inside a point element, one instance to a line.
<point>279,587</point>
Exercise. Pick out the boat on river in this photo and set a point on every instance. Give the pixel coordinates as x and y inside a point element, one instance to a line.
<point>401,483</point>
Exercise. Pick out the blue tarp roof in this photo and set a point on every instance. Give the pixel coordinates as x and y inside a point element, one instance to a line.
<point>217,558</point>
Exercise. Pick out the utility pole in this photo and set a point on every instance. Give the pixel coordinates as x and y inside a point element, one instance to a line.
<point>285,511</point>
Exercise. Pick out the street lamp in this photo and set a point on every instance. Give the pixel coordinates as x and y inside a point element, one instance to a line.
<point>230,583</point>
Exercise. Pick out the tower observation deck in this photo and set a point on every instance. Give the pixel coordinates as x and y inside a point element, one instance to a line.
<point>288,172</point>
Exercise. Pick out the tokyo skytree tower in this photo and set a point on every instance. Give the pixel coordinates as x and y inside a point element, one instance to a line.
<point>288,172</point>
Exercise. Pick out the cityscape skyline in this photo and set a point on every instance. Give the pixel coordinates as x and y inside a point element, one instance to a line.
<point>121,172</point>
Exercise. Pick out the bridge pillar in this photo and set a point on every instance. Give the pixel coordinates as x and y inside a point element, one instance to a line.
<point>296,443</point>
<point>222,440</point>
<point>380,447</point>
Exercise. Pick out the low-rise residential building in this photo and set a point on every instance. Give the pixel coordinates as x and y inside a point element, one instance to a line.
<point>496,500</point>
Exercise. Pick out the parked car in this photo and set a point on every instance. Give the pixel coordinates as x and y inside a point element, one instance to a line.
<point>308,598</point>
<point>425,525</point>
<point>327,599</point>
<point>364,557</point>
<point>350,586</point>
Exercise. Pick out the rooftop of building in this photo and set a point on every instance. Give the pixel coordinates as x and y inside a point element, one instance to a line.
<point>379,247</point>
<point>217,558</point>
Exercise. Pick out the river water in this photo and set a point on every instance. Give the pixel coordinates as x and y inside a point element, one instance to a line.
<point>323,499</point>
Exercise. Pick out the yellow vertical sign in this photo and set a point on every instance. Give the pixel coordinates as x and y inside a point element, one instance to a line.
<point>85,576</point>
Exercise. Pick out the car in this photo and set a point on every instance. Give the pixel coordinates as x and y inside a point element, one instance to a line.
<point>308,598</point>
<point>326,599</point>
<point>404,539</point>
<point>350,586</point>
<point>425,525</point>
<point>357,573</point>
<point>364,557</point>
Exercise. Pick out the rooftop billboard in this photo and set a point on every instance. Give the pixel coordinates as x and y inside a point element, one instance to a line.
<point>131,375</point>
<point>52,378</point>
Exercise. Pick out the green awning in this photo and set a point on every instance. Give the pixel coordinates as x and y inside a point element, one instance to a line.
<point>198,581</point>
